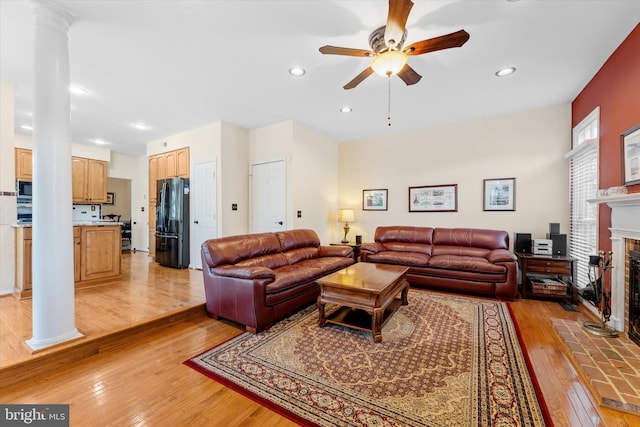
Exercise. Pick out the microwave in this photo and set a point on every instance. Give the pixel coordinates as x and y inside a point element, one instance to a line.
<point>24,190</point>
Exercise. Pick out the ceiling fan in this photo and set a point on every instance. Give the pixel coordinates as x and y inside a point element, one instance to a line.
<point>389,56</point>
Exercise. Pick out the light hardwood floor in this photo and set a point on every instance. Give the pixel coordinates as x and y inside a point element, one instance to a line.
<point>139,378</point>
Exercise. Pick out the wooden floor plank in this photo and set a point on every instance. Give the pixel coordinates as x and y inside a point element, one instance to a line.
<point>142,380</point>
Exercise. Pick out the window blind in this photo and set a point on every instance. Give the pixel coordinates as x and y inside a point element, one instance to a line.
<point>583,176</point>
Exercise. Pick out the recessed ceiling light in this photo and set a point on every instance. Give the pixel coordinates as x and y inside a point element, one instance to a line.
<point>297,71</point>
<point>505,71</point>
<point>27,127</point>
<point>346,110</point>
<point>99,141</point>
<point>141,126</point>
<point>77,90</point>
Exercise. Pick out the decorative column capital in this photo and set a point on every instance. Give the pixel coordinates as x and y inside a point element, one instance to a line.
<point>49,14</point>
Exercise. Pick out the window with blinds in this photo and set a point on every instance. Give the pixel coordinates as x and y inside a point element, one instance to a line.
<point>583,176</point>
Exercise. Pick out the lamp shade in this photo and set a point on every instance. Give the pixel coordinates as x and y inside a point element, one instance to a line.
<point>346,215</point>
<point>389,63</point>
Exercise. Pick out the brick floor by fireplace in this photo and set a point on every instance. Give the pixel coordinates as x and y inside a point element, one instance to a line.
<point>611,366</point>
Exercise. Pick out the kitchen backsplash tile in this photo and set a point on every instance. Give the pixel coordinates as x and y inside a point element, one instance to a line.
<point>86,213</point>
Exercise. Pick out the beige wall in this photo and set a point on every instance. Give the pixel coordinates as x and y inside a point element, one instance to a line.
<point>528,146</point>
<point>7,188</point>
<point>312,176</point>
<point>121,188</point>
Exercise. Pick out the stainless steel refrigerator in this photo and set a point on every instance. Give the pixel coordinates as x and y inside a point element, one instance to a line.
<point>172,222</point>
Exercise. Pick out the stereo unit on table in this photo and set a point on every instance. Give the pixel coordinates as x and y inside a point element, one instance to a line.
<point>548,276</point>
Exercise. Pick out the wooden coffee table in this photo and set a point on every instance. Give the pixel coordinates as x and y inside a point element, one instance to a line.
<point>367,293</point>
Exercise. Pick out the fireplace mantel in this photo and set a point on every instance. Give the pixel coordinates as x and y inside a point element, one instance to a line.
<point>625,224</point>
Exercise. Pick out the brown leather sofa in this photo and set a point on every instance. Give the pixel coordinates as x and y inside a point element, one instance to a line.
<point>257,279</point>
<point>466,260</point>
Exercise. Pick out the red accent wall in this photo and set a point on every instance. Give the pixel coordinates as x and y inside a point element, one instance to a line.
<point>616,89</point>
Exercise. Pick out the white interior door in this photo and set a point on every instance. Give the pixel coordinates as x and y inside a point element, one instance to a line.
<point>268,197</point>
<point>204,214</point>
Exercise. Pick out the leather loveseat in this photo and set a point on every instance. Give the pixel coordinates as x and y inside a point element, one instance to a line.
<point>257,279</point>
<point>466,260</point>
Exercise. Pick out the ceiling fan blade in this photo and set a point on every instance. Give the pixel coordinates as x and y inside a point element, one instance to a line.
<point>409,75</point>
<point>396,21</point>
<point>335,50</point>
<point>447,41</point>
<point>359,78</point>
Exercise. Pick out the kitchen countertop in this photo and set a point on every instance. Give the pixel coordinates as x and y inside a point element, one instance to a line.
<point>75,224</point>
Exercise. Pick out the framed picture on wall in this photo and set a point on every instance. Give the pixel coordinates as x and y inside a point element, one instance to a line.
<point>499,194</point>
<point>111,199</point>
<point>631,156</point>
<point>375,200</point>
<point>434,198</point>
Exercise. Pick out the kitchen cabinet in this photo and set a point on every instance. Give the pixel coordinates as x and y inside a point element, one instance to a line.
<point>171,164</point>
<point>167,165</point>
<point>96,256</point>
<point>23,164</point>
<point>89,180</point>
<point>101,249</point>
<point>23,262</point>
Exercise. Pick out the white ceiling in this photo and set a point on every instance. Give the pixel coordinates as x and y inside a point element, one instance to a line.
<point>177,65</point>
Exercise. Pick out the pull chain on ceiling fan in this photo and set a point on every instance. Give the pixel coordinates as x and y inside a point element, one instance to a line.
<point>389,56</point>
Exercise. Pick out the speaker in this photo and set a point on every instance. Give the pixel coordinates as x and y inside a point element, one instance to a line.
<point>523,243</point>
<point>559,243</point>
<point>554,228</point>
<point>358,240</point>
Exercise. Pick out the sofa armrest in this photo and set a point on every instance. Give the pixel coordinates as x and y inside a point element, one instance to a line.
<point>501,255</point>
<point>372,248</point>
<point>249,273</point>
<point>342,251</point>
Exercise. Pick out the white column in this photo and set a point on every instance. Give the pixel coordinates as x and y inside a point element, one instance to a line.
<point>52,252</point>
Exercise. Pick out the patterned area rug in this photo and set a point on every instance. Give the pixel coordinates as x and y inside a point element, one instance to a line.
<point>444,360</point>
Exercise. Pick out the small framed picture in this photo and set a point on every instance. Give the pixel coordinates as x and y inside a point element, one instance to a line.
<point>375,200</point>
<point>631,156</point>
<point>111,199</point>
<point>434,198</point>
<point>500,194</point>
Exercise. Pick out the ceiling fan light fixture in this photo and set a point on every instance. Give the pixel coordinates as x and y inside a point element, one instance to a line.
<point>389,63</point>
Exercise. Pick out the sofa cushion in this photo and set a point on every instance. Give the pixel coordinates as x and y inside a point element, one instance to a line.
<point>404,234</point>
<point>232,249</point>
<point>296,255</point>
<point>270,261</point>
<point>293,239</point>
<point>460,251</point>
<point>471,237</point>
<point>408,247</point>
<point>465,263</point>
<point>291,276</point>
<point>400,258</point>
<point>327,264</point>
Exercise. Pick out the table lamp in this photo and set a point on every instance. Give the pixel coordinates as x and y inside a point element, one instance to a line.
<point>346,216</point>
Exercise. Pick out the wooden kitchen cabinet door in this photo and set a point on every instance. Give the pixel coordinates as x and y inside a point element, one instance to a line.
<point>100,252</point>
<point>79,176</point>
<point>23,164</point>
<point>97,181</point>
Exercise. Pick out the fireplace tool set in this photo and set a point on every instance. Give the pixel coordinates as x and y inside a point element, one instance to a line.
<point>597,294</point>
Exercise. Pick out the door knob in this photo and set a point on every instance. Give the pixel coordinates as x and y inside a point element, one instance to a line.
<point>195,222</point>
<point>279,222</point>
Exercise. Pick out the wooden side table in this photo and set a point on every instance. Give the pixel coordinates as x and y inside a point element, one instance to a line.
<point>355,246</point>
<point>560,266</point>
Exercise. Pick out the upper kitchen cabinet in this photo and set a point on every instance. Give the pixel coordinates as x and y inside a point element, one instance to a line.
<point>89,178</point>
<point>167,165</point>
<point>24,164</point>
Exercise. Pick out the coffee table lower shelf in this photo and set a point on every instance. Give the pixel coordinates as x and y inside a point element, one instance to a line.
<point>358,318</point>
